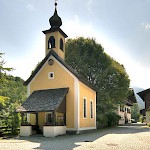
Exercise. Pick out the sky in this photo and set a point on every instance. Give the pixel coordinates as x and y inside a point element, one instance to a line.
<point>122,27</point>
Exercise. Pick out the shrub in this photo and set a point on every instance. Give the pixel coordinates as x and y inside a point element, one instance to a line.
<point>113,119</point>
<point>108,119</point>
<point>102,121</point>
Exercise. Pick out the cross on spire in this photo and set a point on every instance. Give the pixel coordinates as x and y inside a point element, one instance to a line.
<point>56,2</point>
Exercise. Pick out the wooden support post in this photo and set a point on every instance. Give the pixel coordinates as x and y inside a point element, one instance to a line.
<point>37,119</point>
<point>22,117</point>
<point>54,118</point>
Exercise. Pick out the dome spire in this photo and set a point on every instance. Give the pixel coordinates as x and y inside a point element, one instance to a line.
<point>55,20</point>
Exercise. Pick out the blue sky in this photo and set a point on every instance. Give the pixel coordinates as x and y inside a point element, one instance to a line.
<point>122,27</point>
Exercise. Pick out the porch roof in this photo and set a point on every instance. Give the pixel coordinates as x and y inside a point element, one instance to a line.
<point>44,100</point>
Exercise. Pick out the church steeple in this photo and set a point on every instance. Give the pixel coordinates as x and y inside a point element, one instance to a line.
<point>55,37</point>
<point>55,20</point>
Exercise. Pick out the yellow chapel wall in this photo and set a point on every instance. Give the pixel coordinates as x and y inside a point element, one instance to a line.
<point>90,95</point>
<point>41,120</point>
<point>57,37</point>
<point>61,79</point>
<point>33,119</point>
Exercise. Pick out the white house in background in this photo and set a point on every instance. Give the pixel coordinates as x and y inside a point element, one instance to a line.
<point>124,111</point>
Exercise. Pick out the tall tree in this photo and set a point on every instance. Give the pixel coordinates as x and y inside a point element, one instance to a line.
<point>108,76</point>
<point>12,94</point>
<point>3,71</point>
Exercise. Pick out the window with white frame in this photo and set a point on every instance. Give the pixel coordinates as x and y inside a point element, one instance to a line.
<point>84,108</point>
<point>91,108</point>
<point>51,75</point>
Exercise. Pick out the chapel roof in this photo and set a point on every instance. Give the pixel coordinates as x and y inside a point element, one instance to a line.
<point>44,100</point>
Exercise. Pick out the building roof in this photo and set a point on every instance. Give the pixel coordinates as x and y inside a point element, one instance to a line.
<point>143,112</point>
<point>44,100</point>
<point>132,98</point>
<point>55,29</point>
<point>53,53</point>
<point>128,103</point>
<point>143,93</point>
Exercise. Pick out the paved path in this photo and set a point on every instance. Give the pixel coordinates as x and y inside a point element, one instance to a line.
<point>133,137</point>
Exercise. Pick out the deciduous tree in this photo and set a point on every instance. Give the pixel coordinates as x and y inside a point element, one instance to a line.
<point>12,94</point>
<point>108,76</point>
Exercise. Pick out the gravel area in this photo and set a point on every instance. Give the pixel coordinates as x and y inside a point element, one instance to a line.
<point>134,136</point>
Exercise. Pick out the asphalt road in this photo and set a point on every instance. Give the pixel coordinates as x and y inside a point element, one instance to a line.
<point>128,137</point>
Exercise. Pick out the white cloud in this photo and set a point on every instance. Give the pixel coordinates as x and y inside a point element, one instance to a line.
<point>75,28</point>
<point>146,26</point>
<point>139,74</point>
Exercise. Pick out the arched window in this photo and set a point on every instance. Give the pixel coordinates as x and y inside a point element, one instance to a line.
<point>51,42</point>
<point>61,44</point>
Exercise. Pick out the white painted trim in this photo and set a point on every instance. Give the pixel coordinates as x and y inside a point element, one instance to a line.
<point>87,128</point>
<point>95,109</point>
<point>83,108</point>
<point>76,104</point>
<point>28,118</point>
<point>49,75</point>
<point>28,90</point>
<point>79,105</point>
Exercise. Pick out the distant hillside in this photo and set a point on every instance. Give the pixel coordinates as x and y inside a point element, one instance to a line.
<point>138,98</point>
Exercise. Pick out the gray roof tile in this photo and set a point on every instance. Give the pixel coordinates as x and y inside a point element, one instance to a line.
<point>44,100</point>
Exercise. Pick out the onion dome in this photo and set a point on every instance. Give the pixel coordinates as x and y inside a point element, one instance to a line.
<point>55,20</point>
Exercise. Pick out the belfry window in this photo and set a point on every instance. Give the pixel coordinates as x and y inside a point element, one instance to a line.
<point>61,44</point>
<point>51,42</point>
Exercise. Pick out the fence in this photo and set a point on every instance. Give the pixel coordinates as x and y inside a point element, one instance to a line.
<point>5,130</point>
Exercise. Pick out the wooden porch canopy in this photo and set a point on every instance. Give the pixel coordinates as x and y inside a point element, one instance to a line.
<point>48,100</point>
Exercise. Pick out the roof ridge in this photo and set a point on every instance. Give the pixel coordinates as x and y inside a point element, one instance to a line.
<point>52,89</point>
